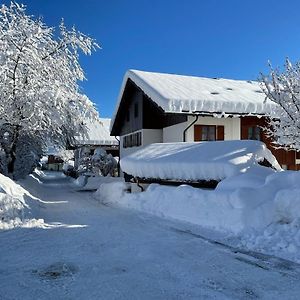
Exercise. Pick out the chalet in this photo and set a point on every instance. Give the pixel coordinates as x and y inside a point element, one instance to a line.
<point>98,136</point>
<point>163,108</point>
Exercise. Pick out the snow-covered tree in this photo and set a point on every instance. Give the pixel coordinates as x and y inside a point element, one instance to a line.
<point>99,163</point>
<point>66,155</point>
<point>39,75</point>
<point>103,163</point>
<point>283,88</point>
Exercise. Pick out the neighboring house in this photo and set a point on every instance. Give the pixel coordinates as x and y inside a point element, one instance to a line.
<point>155,108</point>
<point>98,136</point>
<point>52,161</point>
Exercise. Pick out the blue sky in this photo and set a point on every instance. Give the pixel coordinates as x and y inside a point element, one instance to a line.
<point>230,39</point>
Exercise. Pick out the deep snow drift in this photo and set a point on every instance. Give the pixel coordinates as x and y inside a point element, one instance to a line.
<point>261,208</point>
<point>197,161</point>
<point>17,206</point>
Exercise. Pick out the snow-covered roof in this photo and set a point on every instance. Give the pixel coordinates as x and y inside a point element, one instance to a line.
<point>190,94</point>
<point>98,133</point>
<point>197,161</point>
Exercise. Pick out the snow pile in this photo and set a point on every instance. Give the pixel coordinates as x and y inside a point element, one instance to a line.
<point>214,209</point>
<point>111,192</point>
<point>197,161</point>
<point>12,202</point>
<point>263,212</point>
<point>88,183</point>
<point>17,205</point>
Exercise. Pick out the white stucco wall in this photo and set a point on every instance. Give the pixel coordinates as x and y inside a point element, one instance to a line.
<point>149,136</point>
<point>173,134</point>
<point>232,127</point>
<point>232,131</point>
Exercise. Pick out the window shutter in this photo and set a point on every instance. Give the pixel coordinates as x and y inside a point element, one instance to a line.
<point>197,133</point>
<point>220,133</point>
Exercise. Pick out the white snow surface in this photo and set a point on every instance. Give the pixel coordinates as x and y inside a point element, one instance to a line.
<point>93,182</point>
<point>87,250</point>
<point>178,93</point>
<point>98,133</point>
<point>261,208</point>
<point>16,205</point>
<point>197,161</point>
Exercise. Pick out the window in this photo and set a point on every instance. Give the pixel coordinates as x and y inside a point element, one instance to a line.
<point>132,140</point>
<point>136,110</point>
<point>208,133</point>
<point>254,133</point>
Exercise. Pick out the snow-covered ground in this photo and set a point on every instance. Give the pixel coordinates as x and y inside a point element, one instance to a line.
<point>259,209</point>
<point>86,250</point>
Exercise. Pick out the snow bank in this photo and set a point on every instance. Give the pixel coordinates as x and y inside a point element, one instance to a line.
<point>12,202</point>
<point>16,205</point>
<point>263,212</point>
<point>197,161</point>
<point>214,209</point>
<point>110,192</point>
<point>88,183</point>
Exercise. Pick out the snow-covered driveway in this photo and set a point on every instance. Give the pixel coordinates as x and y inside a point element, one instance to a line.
<point>91,251</point>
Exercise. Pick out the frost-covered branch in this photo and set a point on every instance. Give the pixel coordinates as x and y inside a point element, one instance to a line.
<point>283,88</point>
<point>40,74</point>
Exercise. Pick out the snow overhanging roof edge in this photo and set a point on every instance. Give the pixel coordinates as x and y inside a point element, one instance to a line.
<point>158,98</point>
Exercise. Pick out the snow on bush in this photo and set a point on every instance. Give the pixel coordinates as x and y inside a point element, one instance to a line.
<point>197,161</point>
<point>99,163</point>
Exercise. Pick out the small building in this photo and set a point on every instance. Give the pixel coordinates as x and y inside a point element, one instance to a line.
<point>98,136</point>
<point>52,160</point>
<point>163,108</point>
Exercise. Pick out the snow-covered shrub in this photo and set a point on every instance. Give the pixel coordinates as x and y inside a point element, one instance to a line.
<point>103,163</point>
<point>99,163</point>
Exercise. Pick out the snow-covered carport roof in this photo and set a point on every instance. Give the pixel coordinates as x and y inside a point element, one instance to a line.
<point>197,161</point>
<point>190,94</point>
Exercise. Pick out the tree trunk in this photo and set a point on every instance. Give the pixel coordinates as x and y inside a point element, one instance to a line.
<point>13,156</point>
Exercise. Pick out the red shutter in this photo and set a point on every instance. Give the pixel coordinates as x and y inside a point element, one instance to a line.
<point>197,133</point>
<point>220,133</point>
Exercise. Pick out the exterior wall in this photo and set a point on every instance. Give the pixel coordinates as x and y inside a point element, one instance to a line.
<point>132,122</point>
<point>287,159</point>
<point>149,136</point>
<point>173,134</point>
<point>232,127</point>
<point>55,167</point>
